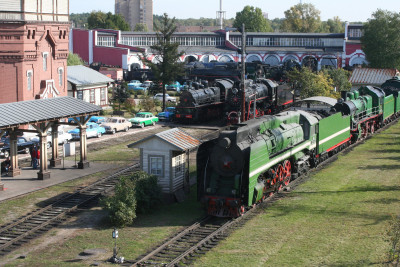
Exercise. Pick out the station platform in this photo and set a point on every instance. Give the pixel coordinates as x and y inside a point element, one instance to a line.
<point>27,181</point>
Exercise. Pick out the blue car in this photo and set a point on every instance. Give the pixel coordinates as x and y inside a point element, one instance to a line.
<point>97,119</point>
<point>167,115</point>
<point>92,130</point>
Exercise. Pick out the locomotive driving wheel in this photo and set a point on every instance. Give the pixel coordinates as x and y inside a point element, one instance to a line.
<point>287,172</point>
<point>279,175</point>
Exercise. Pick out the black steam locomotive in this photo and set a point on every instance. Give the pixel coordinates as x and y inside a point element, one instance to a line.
<point>225,99</point>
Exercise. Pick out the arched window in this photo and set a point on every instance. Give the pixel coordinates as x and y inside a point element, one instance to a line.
<point>45,55</point>
<point>60,76</point>
<point>29,78</point>
<point>252,58</point>
<point>272,61</point>
<point>224,59</point>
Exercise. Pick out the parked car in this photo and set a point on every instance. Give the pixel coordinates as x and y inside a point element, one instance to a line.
<point>116,124</point>
<point>168,98</point>
<point>176,86</point>
<point>133,83</point>
<point>144,118</point>
<point>167,115</point>
<point>97,119</point>
<point>92,130</point>
<point>23,146</point>
<point>63,137</point>
<point>147,84</point>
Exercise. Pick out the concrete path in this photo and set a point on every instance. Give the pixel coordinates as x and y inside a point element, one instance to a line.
<point>27,182</point>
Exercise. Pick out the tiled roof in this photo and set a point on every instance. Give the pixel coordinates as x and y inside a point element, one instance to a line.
<point>176,137</point>
<point>179,138</point>
<point>24,112</point>
<point>371,76</point>
<point>82,76</point>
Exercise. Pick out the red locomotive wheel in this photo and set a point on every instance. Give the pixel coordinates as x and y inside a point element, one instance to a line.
<point>287,166</point>
<point>372,129</point>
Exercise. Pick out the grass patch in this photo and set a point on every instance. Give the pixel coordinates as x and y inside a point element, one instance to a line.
<point>146,232</point>
<point>337,218</point>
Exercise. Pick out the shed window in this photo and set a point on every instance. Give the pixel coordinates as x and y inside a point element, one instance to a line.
<point>103,94</point>
<point>178,164</point>
<point>156,166</point>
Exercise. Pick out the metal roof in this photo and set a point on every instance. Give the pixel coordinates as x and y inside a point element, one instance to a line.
<point>371,76</point>
<point>176,137</point>
<point>41,110</point>
<point>82,76</point>
<point>324,99</point>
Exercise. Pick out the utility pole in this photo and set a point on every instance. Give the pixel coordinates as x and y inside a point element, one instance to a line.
<point>243,115</point>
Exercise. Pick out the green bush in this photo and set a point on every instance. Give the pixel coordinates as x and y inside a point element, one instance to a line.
<point>122,205</point>
<point>137,193</point>
<point>148,192</point>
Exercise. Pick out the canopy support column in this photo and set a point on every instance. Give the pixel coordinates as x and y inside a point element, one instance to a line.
<point>14,170</point>
<point>83,163</point>
<point>44,169</point>
<point>55,159</point>
<point>1,184</point>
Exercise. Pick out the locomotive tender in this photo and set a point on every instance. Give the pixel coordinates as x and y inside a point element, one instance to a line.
<point>252,160</point>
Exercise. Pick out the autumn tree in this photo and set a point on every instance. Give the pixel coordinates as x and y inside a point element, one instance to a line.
<point>381,39</point>
<point>302,18</point>
<point>100,20</point>
<point>253,20</point>
<point>312,84</point>
<point>166,66</point>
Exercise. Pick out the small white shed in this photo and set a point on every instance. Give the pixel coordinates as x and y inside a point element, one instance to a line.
<point>166,155</point>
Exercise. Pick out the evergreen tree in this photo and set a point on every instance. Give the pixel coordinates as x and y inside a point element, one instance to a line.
<point>166,66</point>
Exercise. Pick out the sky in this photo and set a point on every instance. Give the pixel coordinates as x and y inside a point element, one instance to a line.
<point>346,10</point>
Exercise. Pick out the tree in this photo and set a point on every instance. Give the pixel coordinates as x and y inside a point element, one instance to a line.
<point>122,205</point>
<point>302,18</point>
<point>165,66</point>
<point>335,25</point>
<point>74,59</point>
<point>253,20</point>
<point>312,84</point>
<point>140,27</point>
<point>100,20</point>
<point>340,78</point>
<point>381,39</point>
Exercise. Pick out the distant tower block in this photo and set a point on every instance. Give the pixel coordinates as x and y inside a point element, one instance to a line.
<point>221,15</point>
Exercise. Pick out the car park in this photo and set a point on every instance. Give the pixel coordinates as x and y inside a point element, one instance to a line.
<point>116,124</point>
<point>23,146</point>
<point>143,118</point>
<point>92,130</point>
<point>168,98</point>
<point>63,137</point>
<point>167,115</point>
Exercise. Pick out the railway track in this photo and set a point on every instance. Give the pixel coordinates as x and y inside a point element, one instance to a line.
<point>192,242</point>
<point>33,224</point>
<point>197,239</point>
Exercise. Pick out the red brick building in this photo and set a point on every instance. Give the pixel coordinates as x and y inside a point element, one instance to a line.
<point>34,37</point>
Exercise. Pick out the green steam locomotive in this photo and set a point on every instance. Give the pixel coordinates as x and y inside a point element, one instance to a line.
<point>252,160</point>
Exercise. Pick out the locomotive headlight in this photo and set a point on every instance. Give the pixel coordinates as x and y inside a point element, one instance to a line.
<point>233,191</point>
<point>208,190</point>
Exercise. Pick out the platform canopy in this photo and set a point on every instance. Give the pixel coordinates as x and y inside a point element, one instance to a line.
<point>43,110</point>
